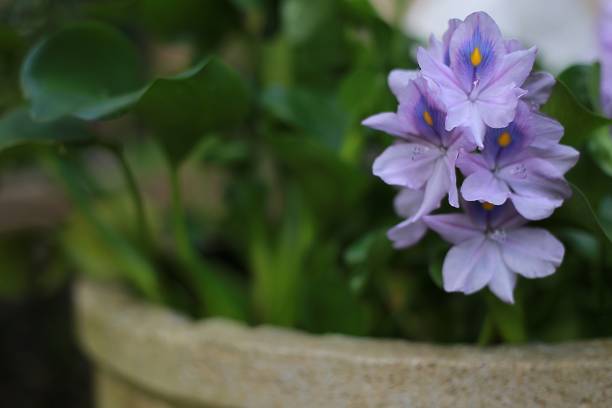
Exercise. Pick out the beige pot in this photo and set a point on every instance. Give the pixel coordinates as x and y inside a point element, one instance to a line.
<point>146,356</point>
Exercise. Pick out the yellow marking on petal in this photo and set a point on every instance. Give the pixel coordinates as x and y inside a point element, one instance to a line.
<point>488,206</point>
<point>476,57</point>
<point>427,118</point>
<point>504,139</point>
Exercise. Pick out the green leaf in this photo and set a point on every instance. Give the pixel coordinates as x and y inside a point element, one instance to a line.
<point>317,115</point>
<point>80,66</point>
<point>180,110</point>
<point>579,122</point>
<point>91,71</point>
<point>584,82</point>
<point>18,128</point>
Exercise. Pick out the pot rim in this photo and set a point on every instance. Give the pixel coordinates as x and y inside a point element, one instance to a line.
<point>181,356</point>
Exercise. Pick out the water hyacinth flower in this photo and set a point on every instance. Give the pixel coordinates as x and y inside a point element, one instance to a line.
<point>476,89</point>
<point>478,79</point>
<point>424,156</point>
<point>491,246</point>
<point>605,50</point>
<point>509,168</point>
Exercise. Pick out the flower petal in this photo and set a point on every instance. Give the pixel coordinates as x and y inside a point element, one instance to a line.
<point>535,208</point>
<point>469,266</point>
<point>502,284</point>
<point>436,188</point>
<point>470,163</point>
<point>465,113</point>
<point>539,86</point>
<point>497,105</point>
<point>407,233</point>
<point>484,186</point>
<point>406,164</point>
<point>454,228</point>
<point>532,252</point>
<point>547,131</point>
<point>513,68</point>
<point>477,34</point>
<point>407,202</point>
<point>389,122</point>
<point>398,81</point>
<point>562,157</point>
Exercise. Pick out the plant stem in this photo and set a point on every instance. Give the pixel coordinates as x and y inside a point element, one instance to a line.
<point>130,180</point>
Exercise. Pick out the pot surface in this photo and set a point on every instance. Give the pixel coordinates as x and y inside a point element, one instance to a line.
<point>147,353</point>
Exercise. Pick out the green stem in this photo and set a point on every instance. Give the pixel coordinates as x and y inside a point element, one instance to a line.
<point>179,220</point>
<point>130,180</point>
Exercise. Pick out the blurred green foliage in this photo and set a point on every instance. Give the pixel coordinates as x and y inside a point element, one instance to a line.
<point>258,202</point>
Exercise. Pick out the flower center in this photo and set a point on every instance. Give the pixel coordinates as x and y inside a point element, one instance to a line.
<point>476,57</point>
<point>427,118</point>
<point>487,206</point>
<point>504,139</point>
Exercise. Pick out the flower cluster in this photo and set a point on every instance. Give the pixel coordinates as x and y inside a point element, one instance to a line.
<point>473,105</point>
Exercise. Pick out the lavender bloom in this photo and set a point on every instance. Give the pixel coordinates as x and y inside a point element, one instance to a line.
<point>538,85</point>
<point>605,45</point>
<point>492,246</point>
<point>424,157</point>
<point>409,232</point>
<point>479,81</point>
<point>522,162</point>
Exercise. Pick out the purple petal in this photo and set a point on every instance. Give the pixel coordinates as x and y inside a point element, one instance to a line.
<point>532,252</point>
<point>465,113</point>
<point>483,185</point>
<point>435,189</point>
<point>453,195</point>
<point>407,233</point>
<point>513,45</point>
<point>562,157</point>
<point>497,105</point>
<point>539,86</point>
<point>502,284</point>
<point>505,217</point>
<point>470,163</point>
<point>513,68</point>
<point>390,123</point>
<point>547,131</point>
<point>407,202</point>
<point>398,81</point>
<point>469,266</point>
<point>534,176</point>
<point>406,164</point>
<point>478,31</point>
<point>534,207</point>
<point>454,228</point>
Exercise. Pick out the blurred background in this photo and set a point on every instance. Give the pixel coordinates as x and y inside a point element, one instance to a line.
<point>289,191</point>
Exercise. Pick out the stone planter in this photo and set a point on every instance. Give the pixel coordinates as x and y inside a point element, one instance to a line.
<point>146,356</point>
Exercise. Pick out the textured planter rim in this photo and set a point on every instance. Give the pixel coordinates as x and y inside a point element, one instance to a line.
<point>225,363</point>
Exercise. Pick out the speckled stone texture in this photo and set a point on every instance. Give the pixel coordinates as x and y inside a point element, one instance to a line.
<point>151,357</point>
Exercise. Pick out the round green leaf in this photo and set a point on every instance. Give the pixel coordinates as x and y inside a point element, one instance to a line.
<point>79,67</point>
<point>18,128</point>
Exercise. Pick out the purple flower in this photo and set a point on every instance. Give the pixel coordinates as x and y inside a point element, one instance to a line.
<point>479,82</point>
<point>425,154</point>
<point>409,232</point>
<point>492,246</point>
<point>522,162</point>
<point>605,45</point>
